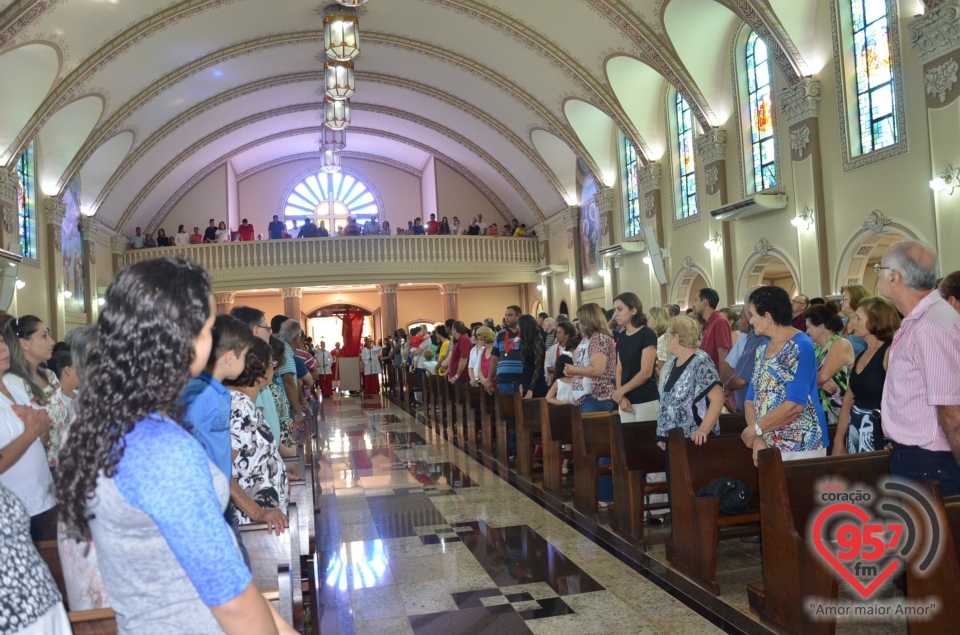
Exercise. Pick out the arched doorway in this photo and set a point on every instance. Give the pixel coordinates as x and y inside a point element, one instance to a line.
<point>866,247</point>
<point>688,283</point>
<point>768,266</point>
<point>325,324</point>
<point>537,308</point>
<point>777,274</point>
<point>563,308</point>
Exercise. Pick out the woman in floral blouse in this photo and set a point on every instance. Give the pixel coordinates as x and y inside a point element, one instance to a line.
<point>782,407</point>
<point>594,363</point>
<point>280,399</point>
<point>257,465</point>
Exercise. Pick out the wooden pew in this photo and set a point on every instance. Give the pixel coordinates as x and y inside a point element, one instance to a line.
<point>412,386</point>
<point>443,403</point>
<point>275,562</point>
<point>556,431</point>
<point>488,423</point>
<point>791,571</point>
<point>943,580</point>
<point>93,622</point>
<point>50,553</point>
<point>505,414</point>
<point>462,405</point>
<point>634,454</point>
<point>429,400</point>
<point>473,421</point>
<point>529,417</point>
<point>591,442</point>
<point>697,523</point>
<point>452,417</point>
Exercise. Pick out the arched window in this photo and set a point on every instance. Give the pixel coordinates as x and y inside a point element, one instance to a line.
<point>27,202</point>
<point>631,186</point>
<point>876,97</point>
<point>759,88</point>
<point>331,198</point>
<point>688,173</point>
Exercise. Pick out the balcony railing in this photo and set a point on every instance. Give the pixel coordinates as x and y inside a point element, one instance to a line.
<point>359,260</point>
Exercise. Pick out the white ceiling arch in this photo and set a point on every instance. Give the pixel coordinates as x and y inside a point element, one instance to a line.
<point>700,31</point>
<point>639,87</point>
<point>32,68</point>
<point>62,136</point>
<point>561,159</point>
<point>598,133</point>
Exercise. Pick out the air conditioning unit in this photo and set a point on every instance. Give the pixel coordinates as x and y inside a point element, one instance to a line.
<point>757,204</point>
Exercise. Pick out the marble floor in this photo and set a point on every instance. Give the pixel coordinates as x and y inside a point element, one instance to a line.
<point>416,537</point>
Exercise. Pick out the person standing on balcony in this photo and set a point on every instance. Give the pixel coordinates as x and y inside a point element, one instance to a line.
<point>385,229</point>
<point>138,239</point>
<point>474,229</point>
<point>309,230</point>
<point>322,231</point>
<point>162,239</point>
<point>182,239</point>
<point>456,229</point>
<point>371,227</point>
<point>432,225</point>
<point>210,233</point>
<point>246,231</point>
<point>275,228</point>
<point>482,225</point>
<point>196,238</point>
<point>444,227</point>
<point>352,228</point>
<point>417,228</point>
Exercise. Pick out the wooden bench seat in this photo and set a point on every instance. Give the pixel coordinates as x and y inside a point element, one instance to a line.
<point>93,622</point>
<point>412,385</point>
<point>943,580</point>
<point>556,432</point>
<point>791,571</point>
<point>591,442</point>
<point>634,454</point>
<point>275,562</point>
<point>697,523</point>
<point>473,421</point>
<point>505,414</point>
<point>488,424</point>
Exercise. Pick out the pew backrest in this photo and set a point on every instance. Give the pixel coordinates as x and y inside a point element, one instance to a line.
<point>638,442</point>
<point>722,455</point>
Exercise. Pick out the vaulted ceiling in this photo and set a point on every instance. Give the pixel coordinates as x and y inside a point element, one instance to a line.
<point>142,98</point>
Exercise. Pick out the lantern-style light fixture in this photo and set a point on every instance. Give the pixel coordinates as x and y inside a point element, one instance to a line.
<point>336,114</point>
<point>339,80</point>
<point>352,3</point>
<point>341,33</point>
<point>329,160</point>
<point>333,139</point>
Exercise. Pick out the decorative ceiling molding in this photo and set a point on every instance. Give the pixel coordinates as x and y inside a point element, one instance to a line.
<point>142,149</point>
<point>452,163</point>
<point>346,154</point>
<point>569,65</point>
<point>63,91</point>
<point>115,122</point>
<point>18,15</point>
<point>767,26</point>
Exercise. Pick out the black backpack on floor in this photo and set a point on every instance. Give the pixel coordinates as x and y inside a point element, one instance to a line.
<point>734,494</point>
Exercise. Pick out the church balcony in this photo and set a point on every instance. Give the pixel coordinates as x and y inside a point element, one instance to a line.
<point>358,259</point>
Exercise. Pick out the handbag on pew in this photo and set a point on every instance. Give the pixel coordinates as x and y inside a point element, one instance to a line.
<point>734,494</point>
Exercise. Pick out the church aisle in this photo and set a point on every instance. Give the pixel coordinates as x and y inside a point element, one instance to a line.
<point>415,537</point>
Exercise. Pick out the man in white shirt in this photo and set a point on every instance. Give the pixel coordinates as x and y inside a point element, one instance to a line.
<point>138,239</point>
<point>482,225</point>
<point>473,365</point>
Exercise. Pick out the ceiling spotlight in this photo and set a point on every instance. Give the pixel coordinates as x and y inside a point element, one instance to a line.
<point>341,33</point>
<point>339,80</point>
<point>336,114</point>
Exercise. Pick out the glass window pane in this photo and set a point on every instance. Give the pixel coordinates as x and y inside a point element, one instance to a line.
<point>763,151</point>
<point>876,104</point>
<point>331,198</point>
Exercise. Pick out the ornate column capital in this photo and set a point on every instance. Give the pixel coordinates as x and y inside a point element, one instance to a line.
<point>292,292</point>
<point>89,229</point>
<point>224,298</point>
<point>604,200</point>
<point>54,211</point>
<point>387,288</point>
<point>711,146</point>
<point>649,177</point>
<point>571,217</point>
<point>936,32</point>
<point>762,248</point>
<point>118,243</point>
<point>446,289</point>
<point>9,184</point>
<point>876,222</point>
<point>800,101</point>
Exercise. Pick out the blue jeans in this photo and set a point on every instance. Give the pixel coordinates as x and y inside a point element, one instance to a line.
<point>592,404</point>
<point>508,387</point>
<point>926,465</point>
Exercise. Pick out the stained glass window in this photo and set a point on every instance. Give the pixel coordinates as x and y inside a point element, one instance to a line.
<point>331,198</point>
<point>27,202</point>
<point>688,172</point>
<point>761,114</point>
<point>632,182</point>
<point>875,91</point>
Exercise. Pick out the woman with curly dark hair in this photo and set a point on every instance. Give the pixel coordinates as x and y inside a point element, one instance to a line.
<point>533,352</point>
<point>132,478</point>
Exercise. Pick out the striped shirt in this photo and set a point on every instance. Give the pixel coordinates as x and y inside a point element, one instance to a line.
<point>923,373</point>
<point>507,348</point>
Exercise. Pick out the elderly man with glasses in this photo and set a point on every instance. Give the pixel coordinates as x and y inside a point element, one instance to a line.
<point>800,304</point>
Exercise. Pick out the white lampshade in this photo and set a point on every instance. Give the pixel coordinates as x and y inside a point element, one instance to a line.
<point>329,160</point>
<point>341,33</point>
<point>336,114</point>
<point>333,139</point>
<point>352,3</point>
<point>339,80</point>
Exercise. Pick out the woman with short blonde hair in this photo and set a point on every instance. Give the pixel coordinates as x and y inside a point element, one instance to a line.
<point>657,320</point>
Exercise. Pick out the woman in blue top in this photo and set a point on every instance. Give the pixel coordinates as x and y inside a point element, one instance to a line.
<point>141,485</point>
<point>782,407</point>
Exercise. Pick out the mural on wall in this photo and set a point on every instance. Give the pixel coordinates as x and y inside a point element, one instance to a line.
<point>74,277</point>
<point>591,231</point>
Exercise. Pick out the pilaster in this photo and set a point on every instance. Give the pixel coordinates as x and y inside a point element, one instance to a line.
<point>291,302</point>
<point>448,292</point>
<point>118,245</point>
<point>224,301</point>
<point>388,308</point>
<point>711,149</point>
<point>54,211</point>
<point>604,200</point>
<point>800,106</point>
<point>89,232</point>
<point>9,225</point>
<point>650,177</point>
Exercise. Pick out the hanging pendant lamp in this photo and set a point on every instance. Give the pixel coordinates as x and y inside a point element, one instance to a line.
<point>341,33</point>
<point>336,114</point>
<point>329,160</point>
<point>339,80</point>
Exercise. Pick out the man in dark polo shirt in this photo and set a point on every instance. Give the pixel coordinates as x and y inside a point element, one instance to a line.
<point>717,340</point>
<point>507,361</point>
<point>210,233</point>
